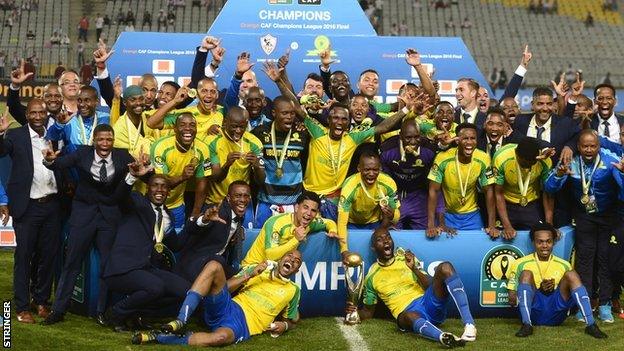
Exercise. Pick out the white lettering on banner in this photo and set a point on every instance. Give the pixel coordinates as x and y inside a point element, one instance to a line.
<point>294,15</point>
<point>319,276</point>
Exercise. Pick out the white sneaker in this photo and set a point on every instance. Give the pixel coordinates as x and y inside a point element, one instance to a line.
<point>470,332</point>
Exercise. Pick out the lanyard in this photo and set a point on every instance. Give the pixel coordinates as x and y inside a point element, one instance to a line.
<point>279,161</point>
<point>382,197</point>
<point>586,183</point>
<point>82,130</point>
<point>132,142</point>
<point>463,187</point>
<point>523,184</point>
<point>539,270</point>
<point>335,166</point>
<point>409,148</point>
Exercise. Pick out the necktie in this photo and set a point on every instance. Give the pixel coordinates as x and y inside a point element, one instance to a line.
<point>606,129</point>
<point>159,217</point>
<point>466,117</point>
<point>493,148</point>
<point>540,130</point>
<point>103,174</point>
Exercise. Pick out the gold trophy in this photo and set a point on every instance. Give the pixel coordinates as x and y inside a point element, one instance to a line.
<point>354,289</point>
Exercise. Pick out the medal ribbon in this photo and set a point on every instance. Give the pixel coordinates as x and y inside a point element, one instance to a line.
<point>83,135</point>
<point>523,184</point>
<point>539,270</point>
<point>379,192</point>
<point>402,151</point>
<point>132,141</point>
<point>335,166</point>
<point>587,183</point>
<point>159,233</point>
<point>463,187</point>
<point>279,161</point>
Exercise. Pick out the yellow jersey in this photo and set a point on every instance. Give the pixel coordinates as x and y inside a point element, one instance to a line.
<point>128,136</point>
<point>444,171</point>
<point>170,161</point>
<point>204,121</point>
<point>359,204</point>
<point>506,174</point>
<point>328,160</point>
<point>265,296</point>
<point>220,147</point>
<point>277,237</point>
<point>555,268</point>
<point>395,284</point>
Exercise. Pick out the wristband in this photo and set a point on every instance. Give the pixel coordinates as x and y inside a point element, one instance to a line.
<point>405,110</point>
<point>285,326</point>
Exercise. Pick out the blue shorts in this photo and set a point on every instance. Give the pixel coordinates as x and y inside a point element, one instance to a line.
<point>464,221</point>
<point>429,307</point>
<point>329,209</point>
<point>220,311</point>
<point>179,217</point>
<point>550,309</point>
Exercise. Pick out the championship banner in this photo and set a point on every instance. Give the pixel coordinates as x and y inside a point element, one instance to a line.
<point>268,28</point>
<point>482,263</point>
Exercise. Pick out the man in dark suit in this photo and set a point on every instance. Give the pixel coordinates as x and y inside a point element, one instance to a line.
<point>606,121</point>
<point>217,234</point>
<point>95,210</point>
<point>35,207</point>
<point>560,133</point>
<point>467,110</point>
<point>496,129</point>
<point>137,266</point>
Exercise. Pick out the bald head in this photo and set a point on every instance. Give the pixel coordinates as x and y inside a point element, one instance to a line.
<point>53,98</point>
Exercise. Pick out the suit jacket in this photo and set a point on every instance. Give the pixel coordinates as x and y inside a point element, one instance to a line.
<point>211,239</point>
<point>482,142</point>
<point>563,132</point>
<point>512,87</point>
<point>92,195</point>
<point>134,241</point>
<point>596,120</point>
<point>16,109</point>
<point>16,143</point>
<point>479,119</point>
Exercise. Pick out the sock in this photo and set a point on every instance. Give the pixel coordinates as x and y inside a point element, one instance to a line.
<point>583,302</point>
<point>173,339</point>
<point>189,305</point>
<point>456,289</point>
<point>422,327</point>
<point>525,300</point>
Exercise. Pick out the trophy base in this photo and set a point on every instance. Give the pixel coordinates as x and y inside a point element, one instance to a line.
<point>352,319</point>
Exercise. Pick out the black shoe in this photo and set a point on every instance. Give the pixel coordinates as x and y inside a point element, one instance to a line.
<point>138,323</point>
<point>53,318</point>
<point>144,337</point>
<point>525,331</point>
<point>450,341</point>
<point>595,332</point>
<point>175,326</point>
<point>101,320</point>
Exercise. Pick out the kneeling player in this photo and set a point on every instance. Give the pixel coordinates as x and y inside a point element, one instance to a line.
<point>232,320</point>
<point>560,287</point>
<point>416,301</point>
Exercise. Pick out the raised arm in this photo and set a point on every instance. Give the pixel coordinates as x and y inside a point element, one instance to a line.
<point>516,81</point>
<point>412,58</point>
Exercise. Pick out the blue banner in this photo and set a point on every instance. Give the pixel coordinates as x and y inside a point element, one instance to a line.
<point>482,264</point>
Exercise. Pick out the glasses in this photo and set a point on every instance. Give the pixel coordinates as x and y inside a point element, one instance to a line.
<point>68,82</point>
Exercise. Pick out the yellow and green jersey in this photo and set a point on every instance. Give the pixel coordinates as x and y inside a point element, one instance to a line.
<point>265,296</point>
<point>277,237</point>
<point>506,174</point>
<point>170,161</point>
<point>445,172</point>
<point>554,268</point>
<point>328,160</point>
<point>204,121</point>
<point>395,284</point>
<point>128,136</point>
<point>220,147</point>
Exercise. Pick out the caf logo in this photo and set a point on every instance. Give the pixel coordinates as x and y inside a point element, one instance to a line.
<point>498,262</point>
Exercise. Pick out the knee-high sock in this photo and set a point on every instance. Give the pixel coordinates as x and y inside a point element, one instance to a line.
<point>422,327</point>
<point>456,289</point>
<point>173,339</point>
<point>582,301</point>
<point>189,305</point>
<point>526,292</point>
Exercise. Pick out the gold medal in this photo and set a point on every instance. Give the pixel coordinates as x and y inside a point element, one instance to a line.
<point>194,161</point>
<point>159,247</point>
<point>400,251</point>
<point>279,172</point>
<point>585,199</point>
<point>462,200</point>
<point>523,201</point>
<point>192,93</point>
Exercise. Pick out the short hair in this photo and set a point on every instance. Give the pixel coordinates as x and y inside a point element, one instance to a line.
<point>443,102</point>
<point>147,76</point>
<point>604,85</point>
<point>184,114</point>
<point>541,91</point>
<point>543,226</point>
<point>585,101</point>
<point>90,89</point>
<point>237,183</point>
<point>314,76</point>
<point>407,122</point>
<point>338,105</point>
<point>528,148</point>
<point>370,70</point>
<point>207,79</point>
<point>589,131</point>
<point>404,86</point>
<point>339,72</point>
<point>471,83</point>
<point>159,176</point>
<point>359,95</point>
<point>281,98</point>
<point>171,83</point>
<point>369,153</point>
<point>495,111</point>
<point>103,128</point>
<point>465,125</point>
<point>309,195</point>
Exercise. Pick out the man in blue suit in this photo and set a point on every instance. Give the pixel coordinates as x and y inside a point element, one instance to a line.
<point>138,266</point>
<point>4,209</point>
<point>102,170</point>
<point>35,207</point>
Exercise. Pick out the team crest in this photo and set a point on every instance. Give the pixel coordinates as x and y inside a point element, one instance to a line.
<point>275,238</point>
<point>158,160</point>
<point>268,43</point>
<point>495,272</point>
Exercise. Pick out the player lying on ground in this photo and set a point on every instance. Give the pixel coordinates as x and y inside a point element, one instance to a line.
<point>416,300</point>
<point>234,319</point>
<point>560,287</point>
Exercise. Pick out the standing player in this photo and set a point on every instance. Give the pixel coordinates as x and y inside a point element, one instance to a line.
<point>544,287</point>
<point>416,300</point>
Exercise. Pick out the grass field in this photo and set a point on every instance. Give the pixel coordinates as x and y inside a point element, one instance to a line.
<point>80,333</point>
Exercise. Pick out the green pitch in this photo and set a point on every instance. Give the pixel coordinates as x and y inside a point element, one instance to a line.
<point>80,333</point>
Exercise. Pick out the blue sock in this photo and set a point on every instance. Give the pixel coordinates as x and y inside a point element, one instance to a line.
<point>422,327</point>
<point>456,289</point>
<point>525,300</point>
<point>173,339</point>
<point>581,298</point>
<point>189,305</point>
